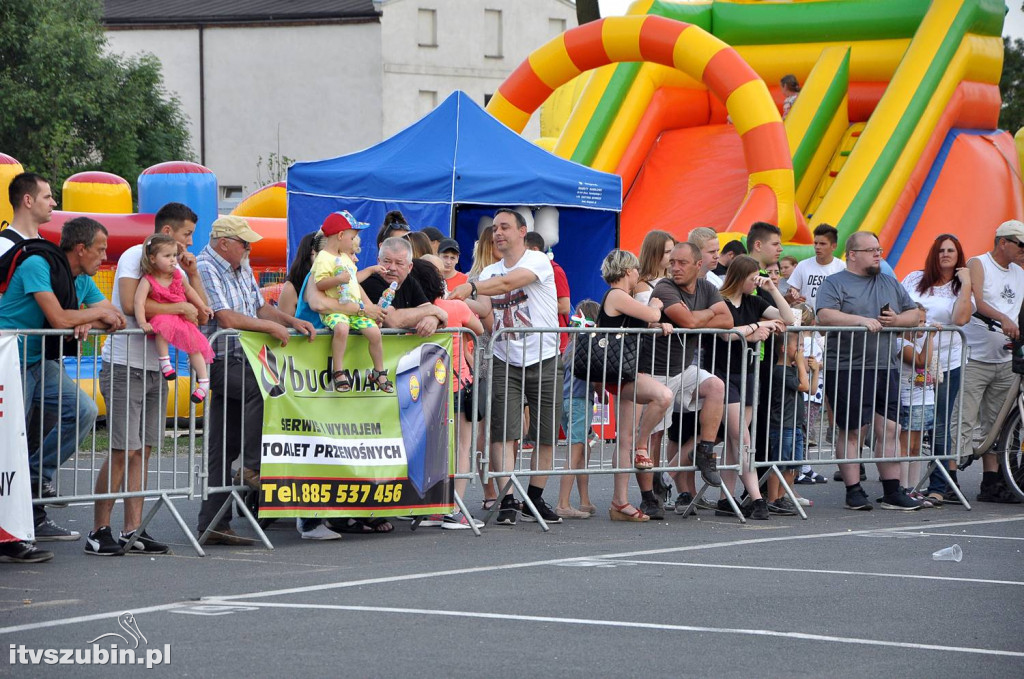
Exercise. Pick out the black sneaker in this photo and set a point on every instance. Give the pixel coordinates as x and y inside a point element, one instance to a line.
<point>508,512</point>
<point>662,488</point>
<point>655,509</point>
<point>101,542</point>
<point>683,501</point>
<point>544,509</point>
<point>23,552</point>
<point>707,463</point>
<point>723,509</point>
<point>782,507</point>
<point>759,510</point>
<point>857,499</point>
<point>899,501</point>
<point>48,531</point>
<point>49,493</point>
<point>144,545</point>
<point>999,493</point>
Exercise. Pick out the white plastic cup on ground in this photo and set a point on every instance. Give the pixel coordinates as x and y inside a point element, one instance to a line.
<point>953,553</point>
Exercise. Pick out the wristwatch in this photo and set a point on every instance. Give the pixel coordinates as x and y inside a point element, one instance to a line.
<point>473,293</point>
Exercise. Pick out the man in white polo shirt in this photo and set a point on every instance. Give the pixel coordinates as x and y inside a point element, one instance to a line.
<point>521,288</point>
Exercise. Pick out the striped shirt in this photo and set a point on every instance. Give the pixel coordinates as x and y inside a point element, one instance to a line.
<point>227,289</point>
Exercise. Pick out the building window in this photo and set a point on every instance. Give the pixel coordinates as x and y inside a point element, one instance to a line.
<point>556,27</point>
<point>428,101</point>
<point>426,28</point>
<point>493,37</point>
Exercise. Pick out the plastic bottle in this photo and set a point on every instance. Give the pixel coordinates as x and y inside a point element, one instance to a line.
<point>389,296</point>
<point>339,269</point>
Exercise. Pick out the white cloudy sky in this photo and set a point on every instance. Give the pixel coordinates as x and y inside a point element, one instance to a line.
<point>1014,20</point>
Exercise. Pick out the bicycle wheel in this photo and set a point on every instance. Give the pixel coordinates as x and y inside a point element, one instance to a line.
<point>1010,448</point>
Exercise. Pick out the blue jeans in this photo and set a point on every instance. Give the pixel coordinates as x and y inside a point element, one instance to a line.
<point>49,389</point>
<point>945,399</point>
<point>786,445</point>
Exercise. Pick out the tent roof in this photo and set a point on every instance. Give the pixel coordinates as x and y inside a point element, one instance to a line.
<point>458,153</point>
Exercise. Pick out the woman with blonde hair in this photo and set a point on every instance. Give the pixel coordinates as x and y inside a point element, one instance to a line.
<point>654,253</point>
<point>621,270</point>
<point>483,253</point>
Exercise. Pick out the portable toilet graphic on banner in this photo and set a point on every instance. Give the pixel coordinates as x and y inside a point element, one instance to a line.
<point>423,393</point>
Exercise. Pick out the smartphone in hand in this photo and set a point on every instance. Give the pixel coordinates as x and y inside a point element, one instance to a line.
<point>885,308</point>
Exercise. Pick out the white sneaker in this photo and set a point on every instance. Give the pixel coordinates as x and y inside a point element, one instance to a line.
<point>432,521</point>
<point>458,521</point>
<point>321,532</point>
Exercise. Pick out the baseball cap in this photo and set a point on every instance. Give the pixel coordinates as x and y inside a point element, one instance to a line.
<point>342,220</point>
<point>1010,229</point>
<point>233,226</point>
<point>448,244</point>
<point>433,233</point>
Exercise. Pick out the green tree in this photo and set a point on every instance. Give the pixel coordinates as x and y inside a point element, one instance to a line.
<point>69,107</point>
<point>1011,85</point>
<point>587,11</point>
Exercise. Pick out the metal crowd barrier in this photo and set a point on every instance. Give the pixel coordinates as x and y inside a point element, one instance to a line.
<point>224,479</point>
<point>606,459</point>
<point>167,472</point>
<point>869,443</point>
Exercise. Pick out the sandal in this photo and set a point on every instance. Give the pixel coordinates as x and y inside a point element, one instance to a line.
<point>488,503</point>
<point>619,513</point>
<point>935,498</point>
<point>641,460</point>
<point>342,381</point>
<point>358,526</point>
<point>380,378</point>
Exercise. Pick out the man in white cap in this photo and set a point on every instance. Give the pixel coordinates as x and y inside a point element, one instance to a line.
<point>234,414</point>
<point>998,285</point>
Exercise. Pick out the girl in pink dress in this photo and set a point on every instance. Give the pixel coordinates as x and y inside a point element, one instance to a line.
<point>162,283</point>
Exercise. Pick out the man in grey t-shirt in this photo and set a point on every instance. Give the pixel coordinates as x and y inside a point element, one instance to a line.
<point>861,371</point>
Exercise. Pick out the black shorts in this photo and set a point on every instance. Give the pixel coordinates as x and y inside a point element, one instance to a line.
<point>856,396</point>
<point>733,384</point>
<point>682,427</point>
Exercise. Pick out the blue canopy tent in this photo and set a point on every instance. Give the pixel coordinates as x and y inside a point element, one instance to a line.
<point>448,169</point>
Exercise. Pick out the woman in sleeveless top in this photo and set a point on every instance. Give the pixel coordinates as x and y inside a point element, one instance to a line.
<point>620,270</point>
<point>654,254</point>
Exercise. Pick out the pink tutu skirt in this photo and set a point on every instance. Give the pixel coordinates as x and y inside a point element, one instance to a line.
<point>182,334</point>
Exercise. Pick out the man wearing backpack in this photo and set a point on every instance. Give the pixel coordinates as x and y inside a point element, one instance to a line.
<point>50,288</point>
<point>33,205</point>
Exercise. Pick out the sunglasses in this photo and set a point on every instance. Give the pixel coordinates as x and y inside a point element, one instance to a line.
<point>245,244</point>
<point>1015,242</point>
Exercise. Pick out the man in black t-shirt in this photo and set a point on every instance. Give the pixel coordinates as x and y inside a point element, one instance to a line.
<point>410,308</point>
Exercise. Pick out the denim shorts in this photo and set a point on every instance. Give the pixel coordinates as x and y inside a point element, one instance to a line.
<point>917,417</point>
<point>581,410</point>
<point>786,445</point>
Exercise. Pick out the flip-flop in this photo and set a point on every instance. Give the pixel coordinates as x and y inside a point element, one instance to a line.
<point>349,525</point>
<point>379,525</point>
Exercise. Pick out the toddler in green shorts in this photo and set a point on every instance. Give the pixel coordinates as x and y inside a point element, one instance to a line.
<point>334,273</point>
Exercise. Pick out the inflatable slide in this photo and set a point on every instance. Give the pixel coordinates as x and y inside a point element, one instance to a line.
<point>894,131</point>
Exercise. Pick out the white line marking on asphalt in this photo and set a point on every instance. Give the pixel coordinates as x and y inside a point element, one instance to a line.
<point>966,535</point>
<point>480,569</point>
<point>548,562</point>
<point>86,618</point>
<point>644,625</point>
<point>798,571</point>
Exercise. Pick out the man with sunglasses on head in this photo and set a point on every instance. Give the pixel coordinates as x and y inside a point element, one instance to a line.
<point>997,282</point>
<point>234,413</point>
<point>862,369</point>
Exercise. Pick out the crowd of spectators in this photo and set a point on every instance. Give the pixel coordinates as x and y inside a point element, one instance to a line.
<point>719,353</point>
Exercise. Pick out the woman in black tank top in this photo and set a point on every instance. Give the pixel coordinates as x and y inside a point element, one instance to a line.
<point>620,270</point>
